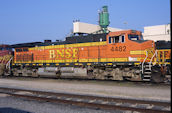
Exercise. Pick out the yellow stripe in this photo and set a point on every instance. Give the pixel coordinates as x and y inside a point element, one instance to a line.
<point>164,63</point>
<point>67,63</point>
<point>137,63</point>
<point>69,45</point>
<point>88,63</point>
<point>93,60</point>
<point>103,60</point>
<point>164,50</point>
<point>80,64</point>
<point>76,64</point>
<point>81,60</point>
<point>121,60</point>
<point>67,60</point>
<point>138,52</point>
<point>109,63</point>
<point>139,58</point>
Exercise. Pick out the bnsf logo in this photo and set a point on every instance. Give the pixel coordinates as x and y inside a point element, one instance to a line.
<point>64,53</point>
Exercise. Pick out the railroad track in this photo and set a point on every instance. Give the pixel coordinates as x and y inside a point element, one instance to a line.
<point>143,106</point>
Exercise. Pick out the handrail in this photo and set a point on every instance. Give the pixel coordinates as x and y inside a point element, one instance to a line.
<point>7,65</point>
<point>144,61</point>
<point>152,59</point>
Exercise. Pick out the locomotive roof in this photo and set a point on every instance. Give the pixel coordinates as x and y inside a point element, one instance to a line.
<point>31,44</point>
<point>4,45</point>
<point>69,40</point>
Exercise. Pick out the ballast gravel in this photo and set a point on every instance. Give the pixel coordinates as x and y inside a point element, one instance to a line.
<point>100,88</point>
<point>17,105</point>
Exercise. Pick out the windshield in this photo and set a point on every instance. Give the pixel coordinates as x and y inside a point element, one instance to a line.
<point>133,37</point>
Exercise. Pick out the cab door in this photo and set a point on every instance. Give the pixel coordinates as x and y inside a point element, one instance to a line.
<point>117,48</point>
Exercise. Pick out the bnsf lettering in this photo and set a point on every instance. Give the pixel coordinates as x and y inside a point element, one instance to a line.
<point>63,53</point>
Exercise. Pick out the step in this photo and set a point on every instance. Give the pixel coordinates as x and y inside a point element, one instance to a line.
<point>168,76</point>
<point>147,69</point>
<point>146,79</point>
<point>148,65</point>
<point>148,72</point>
<point>146,76</point>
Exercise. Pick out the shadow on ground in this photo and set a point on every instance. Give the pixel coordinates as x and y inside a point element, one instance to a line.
<point>12,110</point>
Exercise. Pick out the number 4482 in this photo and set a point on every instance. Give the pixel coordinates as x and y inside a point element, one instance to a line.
<point>119,48</point>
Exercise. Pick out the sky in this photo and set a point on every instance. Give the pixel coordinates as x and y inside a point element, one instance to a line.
<point>23,21</point>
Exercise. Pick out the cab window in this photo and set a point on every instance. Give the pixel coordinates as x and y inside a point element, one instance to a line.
<point>110,40</point>
<point>133,37</point>
<point>123,38</point>
<point>117,39</point>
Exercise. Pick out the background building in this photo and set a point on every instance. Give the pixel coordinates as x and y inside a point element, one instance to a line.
<point>157,32</point>
<point>81,27</point>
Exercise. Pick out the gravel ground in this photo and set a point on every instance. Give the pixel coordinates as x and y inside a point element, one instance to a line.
<point>10,104</point>
<point>111,89</point>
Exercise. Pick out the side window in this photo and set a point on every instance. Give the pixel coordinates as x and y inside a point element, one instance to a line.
<point>110,40</point>
<point>123,38</point>
<point>116,39</point>
<point>119,39</point>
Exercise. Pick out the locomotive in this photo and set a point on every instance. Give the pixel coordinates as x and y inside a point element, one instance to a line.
<point>121,55</point>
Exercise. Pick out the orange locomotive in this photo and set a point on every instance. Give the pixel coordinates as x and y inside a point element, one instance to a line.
<point>116,55</point>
